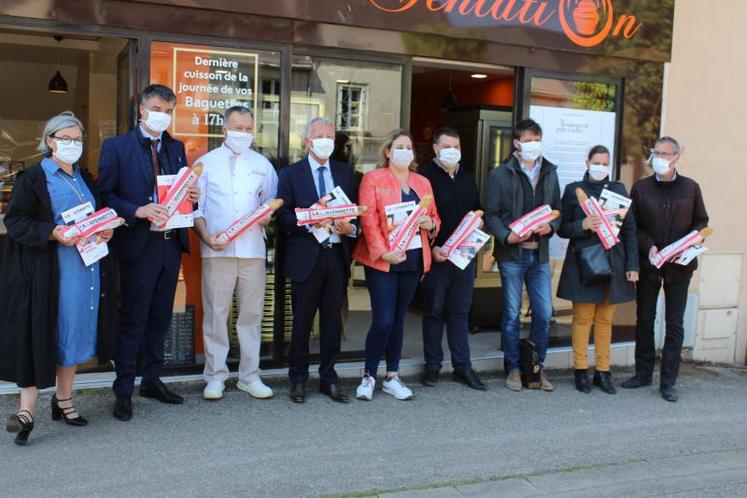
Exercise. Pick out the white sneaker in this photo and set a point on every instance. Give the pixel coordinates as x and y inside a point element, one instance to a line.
<point>214,390</point>
<point>366,389</point>
<point>397,388</point>
<point>256,388</point>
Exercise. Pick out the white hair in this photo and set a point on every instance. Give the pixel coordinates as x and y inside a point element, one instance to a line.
<point>317,120</point>
<point>63,120</point>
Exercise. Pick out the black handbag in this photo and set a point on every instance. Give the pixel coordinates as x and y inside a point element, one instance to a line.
<point>593,264</point>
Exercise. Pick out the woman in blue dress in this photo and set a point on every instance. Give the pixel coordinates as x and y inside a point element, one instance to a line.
<point>52,301</point>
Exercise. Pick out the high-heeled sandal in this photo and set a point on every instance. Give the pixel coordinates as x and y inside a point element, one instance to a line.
<point>64,413</point>
<point>21,423</point>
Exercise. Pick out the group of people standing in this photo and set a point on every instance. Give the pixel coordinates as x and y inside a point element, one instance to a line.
<point>59,313</point>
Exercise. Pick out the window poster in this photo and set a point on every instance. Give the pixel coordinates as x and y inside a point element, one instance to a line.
<point>568,135</point>
<point>206,81</point>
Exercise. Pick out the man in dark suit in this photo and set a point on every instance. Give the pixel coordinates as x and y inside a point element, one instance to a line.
<point>148,260</point>
<point>318,271</point>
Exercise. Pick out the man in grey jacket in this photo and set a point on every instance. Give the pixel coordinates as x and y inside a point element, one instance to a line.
<point>522,183</point>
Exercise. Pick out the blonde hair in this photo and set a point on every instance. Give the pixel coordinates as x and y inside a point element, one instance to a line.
<point>387,145</point>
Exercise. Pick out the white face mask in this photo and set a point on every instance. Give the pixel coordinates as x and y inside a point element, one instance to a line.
<point>402,158</point>
<point>661,166</point>
<point>158,121</point>
<point>323,147</point>
<point>68,153</point>
<point>598,172</point>
<point>450,157</point>
<point>239,141</point>
<point>530,151</point>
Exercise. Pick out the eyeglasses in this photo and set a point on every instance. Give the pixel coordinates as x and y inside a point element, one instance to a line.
<point>68,140</point>
<point>665,155</point>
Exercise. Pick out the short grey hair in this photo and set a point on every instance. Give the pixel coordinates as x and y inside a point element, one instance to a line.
<point>63,120</point>
<point>241,109</point>
<point>669,140</point>
<point>317,120</point>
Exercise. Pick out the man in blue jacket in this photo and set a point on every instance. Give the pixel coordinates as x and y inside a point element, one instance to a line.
<point>149,260</point>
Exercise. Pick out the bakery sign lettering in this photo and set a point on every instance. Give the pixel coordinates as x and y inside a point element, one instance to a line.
<point>586,23</point>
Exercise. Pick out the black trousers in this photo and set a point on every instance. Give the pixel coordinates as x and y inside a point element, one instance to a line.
<point>675,299</point>
<point>148,284</point>
<point>448,299</point>
<point>324,291</point>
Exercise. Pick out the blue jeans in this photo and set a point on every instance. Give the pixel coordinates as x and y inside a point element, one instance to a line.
<point>538,279</point>
<point>391,294</point>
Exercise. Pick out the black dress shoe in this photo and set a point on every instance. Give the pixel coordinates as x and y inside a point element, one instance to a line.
<point>603,380</point>
<point>158,391</point>
<point>469,377</point>
<point>123,408</point>
<point>66,414</point>
<point>635,382</point>
<point>429,378</point>
<point>669,394</point>
<point>22,423</point>
<point>582,380</point>
<point>298,393</point>
<point>334,393</point>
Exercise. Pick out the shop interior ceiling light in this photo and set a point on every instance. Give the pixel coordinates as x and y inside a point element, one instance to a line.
<point>58,84</point>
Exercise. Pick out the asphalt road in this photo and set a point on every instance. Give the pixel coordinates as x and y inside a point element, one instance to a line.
<point>448,441</point>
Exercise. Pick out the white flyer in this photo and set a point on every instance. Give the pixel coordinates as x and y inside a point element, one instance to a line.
<point>183,218</point>
<point>397,214</point>
<point>92,251</point>
<point>690,254</point>
<point>617,205</point>
<point>89,249</point>
<point>334,198</point>
<point>467,250</point>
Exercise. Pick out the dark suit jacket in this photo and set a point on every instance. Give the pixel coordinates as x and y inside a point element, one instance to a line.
<point>664,213</point>
<point>297,189</point>
<point>126,183</point>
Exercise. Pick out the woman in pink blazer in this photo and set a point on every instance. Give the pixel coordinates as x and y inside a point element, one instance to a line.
<point>391,276</point>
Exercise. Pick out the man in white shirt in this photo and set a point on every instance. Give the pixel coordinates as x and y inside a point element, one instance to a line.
<point>235,181</point>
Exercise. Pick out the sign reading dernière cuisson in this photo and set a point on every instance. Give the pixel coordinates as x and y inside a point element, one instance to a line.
<point>206,83</point>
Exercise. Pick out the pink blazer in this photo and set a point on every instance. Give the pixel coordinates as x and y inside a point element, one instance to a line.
<point>380,188</point>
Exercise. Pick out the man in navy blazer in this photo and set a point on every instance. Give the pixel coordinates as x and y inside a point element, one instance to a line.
<point>318,272</point>
<point>149,260</point>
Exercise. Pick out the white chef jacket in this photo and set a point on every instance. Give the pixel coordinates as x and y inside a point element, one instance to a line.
<point>232,186</point>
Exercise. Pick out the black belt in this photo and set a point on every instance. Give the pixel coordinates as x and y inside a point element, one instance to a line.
<point>168,234</point>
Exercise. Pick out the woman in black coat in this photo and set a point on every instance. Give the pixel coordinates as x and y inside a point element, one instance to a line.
<point>46,290</point>
<point>595,303</point>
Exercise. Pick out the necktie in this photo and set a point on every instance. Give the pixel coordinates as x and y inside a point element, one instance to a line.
<point>322,186</point>
<point>322,192</point>
<point>154,155</point>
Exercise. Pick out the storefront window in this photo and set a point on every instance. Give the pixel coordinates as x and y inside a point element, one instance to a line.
<point>88,67</point>
<point>363,99</point>
<point>207,80</point>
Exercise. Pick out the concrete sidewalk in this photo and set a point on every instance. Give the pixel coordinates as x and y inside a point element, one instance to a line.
<point>716,474</point>
<point>449,441</point>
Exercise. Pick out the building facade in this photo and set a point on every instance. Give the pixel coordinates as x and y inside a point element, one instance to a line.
<point>591,71</point>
